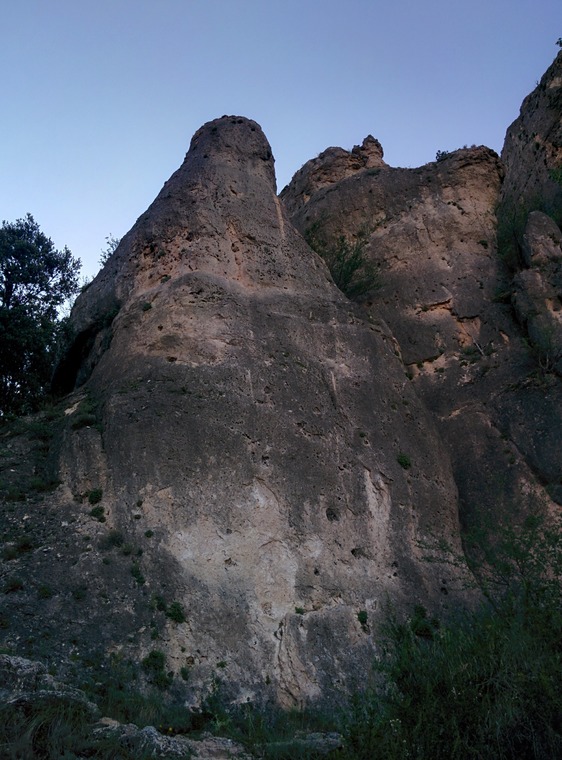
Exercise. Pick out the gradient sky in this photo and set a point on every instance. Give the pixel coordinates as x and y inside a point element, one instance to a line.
<point>100,98</point>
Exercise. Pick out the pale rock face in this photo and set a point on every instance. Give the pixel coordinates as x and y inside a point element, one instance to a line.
<point>253,420</point>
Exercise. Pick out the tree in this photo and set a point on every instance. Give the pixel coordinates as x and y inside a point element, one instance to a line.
<point>35,281</point>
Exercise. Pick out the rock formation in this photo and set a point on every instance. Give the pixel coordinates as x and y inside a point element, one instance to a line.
<point>450,300</point>
<point>532,152</point>
<point>245,466</point>
<point>260,428</point>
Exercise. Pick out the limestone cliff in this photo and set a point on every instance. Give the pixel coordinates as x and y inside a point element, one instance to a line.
<point>244,466</point>
<point>261,429</point>
<point>532,152</point>
<point>462,323</point>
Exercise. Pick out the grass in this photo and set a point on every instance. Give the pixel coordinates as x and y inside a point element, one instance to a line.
<point>86,415</point>
<point>484,685</point>
<point>54,728</point>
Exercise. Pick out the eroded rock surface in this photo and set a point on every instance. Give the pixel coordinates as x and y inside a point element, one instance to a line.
<point>445,294</point>
<point>261,430</point>
<point>532,152</point>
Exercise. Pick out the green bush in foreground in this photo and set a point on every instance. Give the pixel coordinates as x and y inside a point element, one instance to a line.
<point>486,685</point>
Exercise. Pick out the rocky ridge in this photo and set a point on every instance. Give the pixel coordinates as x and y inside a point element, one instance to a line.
<point>260,431</point>
<point>479,341</point>
<point>244,466</point>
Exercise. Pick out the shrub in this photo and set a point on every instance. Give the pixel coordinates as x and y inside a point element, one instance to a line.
<point>404,461</point>
<point>95,495</point>
<point>352,271</point>
<point>153,664</point>
<point>137,574</point>
<point>98,514</point>
<point>12,584</point>
<point>175,612</point>
<point>484,685</point>
<point>114,539</point>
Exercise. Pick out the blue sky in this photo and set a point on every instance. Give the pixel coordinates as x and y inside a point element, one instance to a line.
<point>100,99</point>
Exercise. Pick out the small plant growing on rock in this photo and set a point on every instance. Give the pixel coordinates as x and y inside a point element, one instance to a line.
<point>137,574</point>
<point>154,666</point>
<point>352,271</point>
<point>175,612</point>
<point>12,585</point>
<point>363,618</point>
<point>98,513</point>
<point>114,539</point>
<point>404,461</point>
<point>95,495</point>
<point>86,415</point>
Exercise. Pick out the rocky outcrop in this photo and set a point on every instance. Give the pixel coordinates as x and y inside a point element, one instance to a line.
<point>432,233</point>
<point>537,296</point>
<point>331,166</point>
<point>532,152</point>
<point>260,431</point>
<point>245,467</point>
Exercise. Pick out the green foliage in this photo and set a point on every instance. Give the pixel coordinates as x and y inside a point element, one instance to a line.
<point>95,496</point>
<point>404,461</point>
<point>441,155</point>
<point>511,225</point>
<point>556,175</point>
<point>111,245</point>
<point>86,415</point>
<point>137,574</point>
<point>35,282</point>
<point>45,592</point>
<point>49,728</point>
<point>98,514</point>
<point>154,666</point>
<point>363,618</point>
<point>23,545</point>
<point>12,584</point>
<point>175,612</point>
<point>352,271</point>
<point>113,540</point>
<point>485,685</point>
<point>559,42</point>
